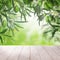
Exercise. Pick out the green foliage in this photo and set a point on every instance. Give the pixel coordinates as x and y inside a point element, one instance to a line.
<point>48,10</point>
<point>27,1</point>
<point>9,9</point>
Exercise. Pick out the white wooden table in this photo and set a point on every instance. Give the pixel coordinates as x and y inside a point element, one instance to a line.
<point>29,52</point>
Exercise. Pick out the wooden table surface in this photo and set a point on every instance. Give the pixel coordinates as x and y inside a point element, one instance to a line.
<point>29,52</point>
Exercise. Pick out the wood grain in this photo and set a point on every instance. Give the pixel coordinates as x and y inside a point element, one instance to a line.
<point>29,52</point>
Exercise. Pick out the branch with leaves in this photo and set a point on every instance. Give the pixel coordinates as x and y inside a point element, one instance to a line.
<point>48,10</point>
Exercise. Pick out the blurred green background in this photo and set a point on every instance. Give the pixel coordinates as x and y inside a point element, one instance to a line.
<point>35,38</point>
<point>34,16</point>
<point>30,34</point>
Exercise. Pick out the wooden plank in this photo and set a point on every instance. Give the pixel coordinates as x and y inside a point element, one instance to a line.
<point>34,54</point>
<point>14,54</point>
<point>51,52</point>
<point>56,50</point>
<point>25,54</point>
<point>43,53</point>
<point>6,50</point>
<point>58,47</point>
<point>29,52</point>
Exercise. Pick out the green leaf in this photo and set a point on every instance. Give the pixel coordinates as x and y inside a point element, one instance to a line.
<point>16,8</point>
<point>9,4</point>
<point>48,5</point>
<point>45,32</point>
<point>53,32</point>
<point>16,28</point>
<point>18,25</point>
<point>3,31</point>
<point>7,36</point>
<point>27,1</point>
<point>1,39</point>
<point>28,14</point>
